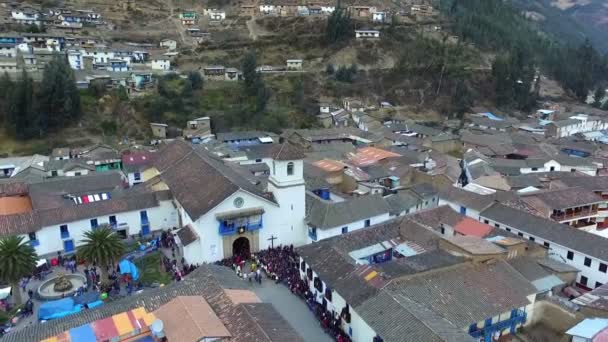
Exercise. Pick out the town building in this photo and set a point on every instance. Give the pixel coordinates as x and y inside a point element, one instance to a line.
<point>377,279</point>
<point>53,215</point>
<point>247,217</point>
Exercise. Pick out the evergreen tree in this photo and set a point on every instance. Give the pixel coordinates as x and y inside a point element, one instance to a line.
<point>339,25</point>
<point>7,85</point>
<point>250,74</point>
<point>21,112</point>
<point>195,80</point>
<point>58,98</point>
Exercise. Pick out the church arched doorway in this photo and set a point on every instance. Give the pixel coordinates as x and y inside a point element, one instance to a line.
<point>241,247</point>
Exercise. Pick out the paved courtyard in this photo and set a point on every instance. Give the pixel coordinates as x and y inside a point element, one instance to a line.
<point>292,308</point>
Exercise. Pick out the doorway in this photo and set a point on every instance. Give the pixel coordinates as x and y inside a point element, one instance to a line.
<point>241,247</point>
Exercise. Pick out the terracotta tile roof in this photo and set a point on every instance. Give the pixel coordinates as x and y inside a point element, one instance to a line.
<point>15,205</point>
<point>371,155</point>
<point>468,226</point>
<point>244,322</point>
<point>190,318</point>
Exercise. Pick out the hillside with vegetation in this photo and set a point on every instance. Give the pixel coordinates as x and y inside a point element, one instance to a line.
<point>477,53</point>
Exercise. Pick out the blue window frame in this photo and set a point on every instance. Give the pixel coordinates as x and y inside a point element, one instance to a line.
<point>94,224</point>
<point>68,246</point>
<point>145,224</point>
<point>368,222</point>
<point>137,176</point>
<point>344,230</point>
<point>33,240</point>
<point>113,222</point>
<point>463,210</point>
<point>65,233</point>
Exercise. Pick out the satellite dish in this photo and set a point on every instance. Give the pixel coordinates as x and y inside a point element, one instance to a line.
<point>157,328</point>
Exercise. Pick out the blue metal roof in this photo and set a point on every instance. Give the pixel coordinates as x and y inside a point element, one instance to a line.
<point>588,327</point>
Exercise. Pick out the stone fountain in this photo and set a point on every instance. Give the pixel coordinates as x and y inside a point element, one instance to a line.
<point>62,285</point>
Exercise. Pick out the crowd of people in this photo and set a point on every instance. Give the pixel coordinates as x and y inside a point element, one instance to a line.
<point>281,265</point>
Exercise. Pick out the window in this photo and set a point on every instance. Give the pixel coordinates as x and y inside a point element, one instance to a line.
<point>94,223</point>
<point>572,170</point>
<point>546,244</point>
<point>137,176</point>
<point>290,169</point>
<point>53,173</point>
<point>520,234</point>
<point>587,262</point>
<point>77,173</point>
<point>426,203</point>
<point>584,280</point>
<point>442,230</point>
<point>303,266</point>
<point>552,169</point>
<point>508,229</point>
<point>33,240</point>
<point>486,221</point>
<point>113,222</point>
<point>603,267</point>
<point>64,231</point>
<point>496,225</point>
<point>367,223</point>
<point>570,255</point>
<point>258,160</point>
<point>318,284</point>
<point>534,169</point>
<point>344,230</point>
<point>328,293</point>
<point>598,284</point>
<point>531,238</point>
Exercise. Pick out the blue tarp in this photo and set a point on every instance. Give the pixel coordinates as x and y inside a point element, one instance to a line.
<point>127,267</point>
<point>491,116</point>
<point>58,308</point>
<point>86,298</point>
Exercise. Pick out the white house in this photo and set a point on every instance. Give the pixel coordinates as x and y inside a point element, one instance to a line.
<point>161,63</point>
<point>225,214</point>
<point>217,15</point>
<point>579,123</point>
<point>169,44</point>
<point>60,211</point>
<point>585,252</point>
<point>379,17</point>
<point>294,64</point>
<point>26,16</point>
<point>367,34</point>
<point>326,218</point>
<point>268,9</point>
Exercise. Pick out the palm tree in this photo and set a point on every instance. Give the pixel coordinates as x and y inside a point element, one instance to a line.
<point>17,260</point>
<point>102,246</point>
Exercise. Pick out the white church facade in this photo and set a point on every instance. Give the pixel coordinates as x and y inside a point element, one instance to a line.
<point>223,213</point>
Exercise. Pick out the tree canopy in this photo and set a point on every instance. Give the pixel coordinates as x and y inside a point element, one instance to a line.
<point>102,246</point>
<point>17,260</point>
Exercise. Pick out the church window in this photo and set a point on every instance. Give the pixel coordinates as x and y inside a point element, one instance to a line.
<point>290,169</point>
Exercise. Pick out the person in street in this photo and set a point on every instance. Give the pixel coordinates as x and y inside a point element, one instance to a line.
<point>258,273</point>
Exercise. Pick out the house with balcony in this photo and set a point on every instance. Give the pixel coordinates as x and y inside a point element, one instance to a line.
<point>576,207</point>
<point>231,214</point>
<point>54,215</point>
<point>574,247</point>
<point>393,280</point>
<point>598,185</point>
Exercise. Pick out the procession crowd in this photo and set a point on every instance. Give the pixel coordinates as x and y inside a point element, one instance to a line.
<point>281,265</point>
